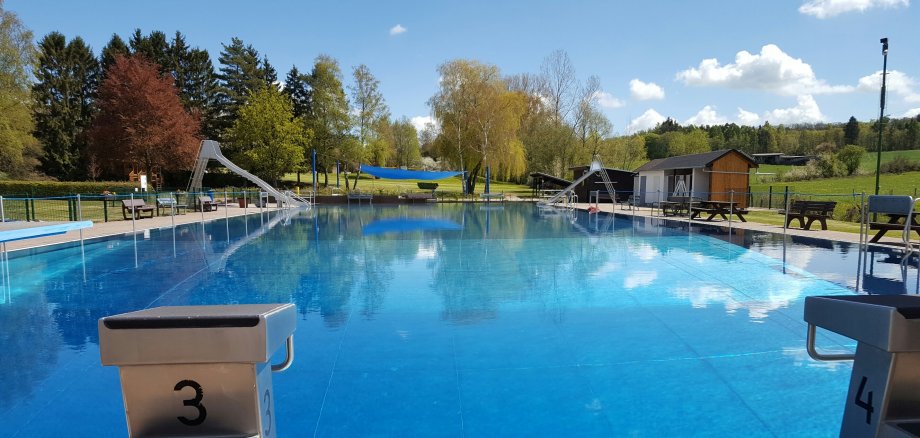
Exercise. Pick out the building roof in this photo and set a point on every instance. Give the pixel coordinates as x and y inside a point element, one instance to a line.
<point>691,161</point>
<point>550,178</point>
<point>613,169</point>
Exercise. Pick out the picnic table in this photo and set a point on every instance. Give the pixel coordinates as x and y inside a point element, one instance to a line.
<point>895,222</point>
<point>720,208</point>
<point>807,212</point>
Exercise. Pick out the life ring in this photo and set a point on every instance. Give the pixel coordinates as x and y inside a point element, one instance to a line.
<point>593,210</point>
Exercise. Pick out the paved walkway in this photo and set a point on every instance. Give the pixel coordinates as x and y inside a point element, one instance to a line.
<point>101,229</point>
<point>816,233</point>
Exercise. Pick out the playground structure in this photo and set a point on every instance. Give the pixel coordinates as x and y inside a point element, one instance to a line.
<point>210,150</point>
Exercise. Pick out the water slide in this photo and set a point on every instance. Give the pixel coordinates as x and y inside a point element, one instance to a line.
<point>596,166</point>
<point>210,150</point>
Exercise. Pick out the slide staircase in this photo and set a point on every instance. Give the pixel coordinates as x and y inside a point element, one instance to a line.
<point>595,167</point>
<point>210,150</point>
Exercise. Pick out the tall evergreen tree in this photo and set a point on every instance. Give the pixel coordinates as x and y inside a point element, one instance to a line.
<point>116,46</point>
<point>295,87</point>
<point>240,74</point>
<point>851,131</point>
<point>154,47</point>
<point>269,73</point>
<point>66,81</point>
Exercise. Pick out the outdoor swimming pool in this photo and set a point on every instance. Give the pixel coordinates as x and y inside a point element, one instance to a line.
<point>456,320</point>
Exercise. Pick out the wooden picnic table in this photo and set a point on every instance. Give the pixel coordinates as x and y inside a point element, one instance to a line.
<point>894,223</point>
<point>721,208</point>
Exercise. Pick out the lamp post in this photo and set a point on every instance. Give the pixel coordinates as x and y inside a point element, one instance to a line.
<point>881,114</point>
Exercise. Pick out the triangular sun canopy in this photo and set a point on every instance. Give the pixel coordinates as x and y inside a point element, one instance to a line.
<point>390,173</point>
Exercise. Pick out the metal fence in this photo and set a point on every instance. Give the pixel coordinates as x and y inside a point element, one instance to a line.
<point>112,207</point>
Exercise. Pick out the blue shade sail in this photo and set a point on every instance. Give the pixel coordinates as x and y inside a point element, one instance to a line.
<point>390,173</point>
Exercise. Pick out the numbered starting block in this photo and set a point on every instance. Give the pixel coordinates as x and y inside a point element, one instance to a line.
<point>199,370</point>
<point>884,393</point>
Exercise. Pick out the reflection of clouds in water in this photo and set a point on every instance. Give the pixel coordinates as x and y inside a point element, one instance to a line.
<point>639,278</point>
<point>800,358</point>
<point>426,251</point>
<point>644,252</point>
<point>774,291</point>
<point>605,269</point>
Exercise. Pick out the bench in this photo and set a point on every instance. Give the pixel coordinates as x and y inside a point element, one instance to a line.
<point>137,207</point>
<point>489,197</point>
<point>428,186</point>
<point>720,208</point>
<point>418,197</point>
<point>169,204</point>
<point>807,212</point>
<point>631,202</point>
<point>205,203</point>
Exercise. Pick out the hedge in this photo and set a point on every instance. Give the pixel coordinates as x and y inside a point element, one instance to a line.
<point>63,188</point>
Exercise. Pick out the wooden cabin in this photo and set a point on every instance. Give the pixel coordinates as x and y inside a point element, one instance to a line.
<point>622,181</point>
<point>710,175</point>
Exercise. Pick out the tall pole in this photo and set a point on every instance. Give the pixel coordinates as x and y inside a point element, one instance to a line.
<point>881,114</point>
<point>314,172</point>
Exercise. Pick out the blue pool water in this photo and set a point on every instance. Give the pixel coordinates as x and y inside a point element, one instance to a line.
<point>455,320</point>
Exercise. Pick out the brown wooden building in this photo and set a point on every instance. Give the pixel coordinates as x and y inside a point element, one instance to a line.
<point>710,175</point>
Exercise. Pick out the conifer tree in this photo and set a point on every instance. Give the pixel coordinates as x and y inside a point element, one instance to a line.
<point>851,131</point>
<point>240,74</point>
<point>66,81</point>
<point>295,87</point>
<point>269,73</point>
<point>116,46</point>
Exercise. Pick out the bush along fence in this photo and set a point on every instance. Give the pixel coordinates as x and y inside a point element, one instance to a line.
<point>118,207</point>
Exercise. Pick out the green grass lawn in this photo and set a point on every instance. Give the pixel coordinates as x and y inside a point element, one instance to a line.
<point>773,218</point>
<point>897,184</point>
<point>772,172</point>
<point>452,186</point>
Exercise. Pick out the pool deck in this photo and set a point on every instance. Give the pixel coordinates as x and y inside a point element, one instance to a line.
<point>816,232</point>
<point>101,229</point>
<point>125,227</point>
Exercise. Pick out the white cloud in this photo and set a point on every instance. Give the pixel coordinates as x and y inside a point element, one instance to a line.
<point>897,82</point>
<point>706,116</point>
<point>747,118</point>
<point>647,120</point>
<point>398,29</point>
<point>420,121</point>
<point>770,70</point>
<point>828,8</point>
<point>645,90</point>
<point>913,112</point>
<point>805,111</point>
<point>607,100</point>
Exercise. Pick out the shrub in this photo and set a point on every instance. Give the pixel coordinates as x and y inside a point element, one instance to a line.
<point>829,166</point>
<point>61,188</point>
<point>850,156</point>
<point>900,164</point>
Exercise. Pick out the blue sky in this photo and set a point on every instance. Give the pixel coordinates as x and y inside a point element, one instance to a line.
<point>741,61</point>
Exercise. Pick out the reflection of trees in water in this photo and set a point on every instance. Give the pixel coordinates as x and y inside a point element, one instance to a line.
<point>472,274</point>
<point>29,342</point>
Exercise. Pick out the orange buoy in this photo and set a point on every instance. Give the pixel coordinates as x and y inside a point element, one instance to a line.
<point>592,210</point>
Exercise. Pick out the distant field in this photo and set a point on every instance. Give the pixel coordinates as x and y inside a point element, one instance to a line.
<point>447,186</point>
<point>898,184</point>
<point>867,165</point>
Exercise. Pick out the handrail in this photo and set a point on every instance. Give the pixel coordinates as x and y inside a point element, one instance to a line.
<point>810,346</point>
<point>289,357</point>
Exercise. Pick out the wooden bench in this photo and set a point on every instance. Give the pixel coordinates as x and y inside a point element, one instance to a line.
<point>168,204</point>
<point>137,207</point>
<point>807,212</point>
<point>489,197</point>
<point>205,203</point>
<point>418,197</point>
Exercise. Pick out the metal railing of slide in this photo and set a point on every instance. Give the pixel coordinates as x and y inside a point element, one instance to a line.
<point>118,207</point>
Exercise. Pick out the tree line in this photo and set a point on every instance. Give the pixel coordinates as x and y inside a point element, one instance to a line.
<point>144,103</point>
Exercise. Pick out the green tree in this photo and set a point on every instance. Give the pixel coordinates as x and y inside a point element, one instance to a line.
<point>267,138</point>
<point>329,118</point>
<point>18,149</point>
<point>154,46</point>
<point>851,156</point>
<point>851,131</point>
<point>295,87</point>
<point>115,47</point>
<point>405,144</point>
<point>66,81</point>
<point>240,75</point>
<point>367,100</point>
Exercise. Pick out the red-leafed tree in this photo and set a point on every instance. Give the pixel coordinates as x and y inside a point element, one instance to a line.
<point>141,122</point>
